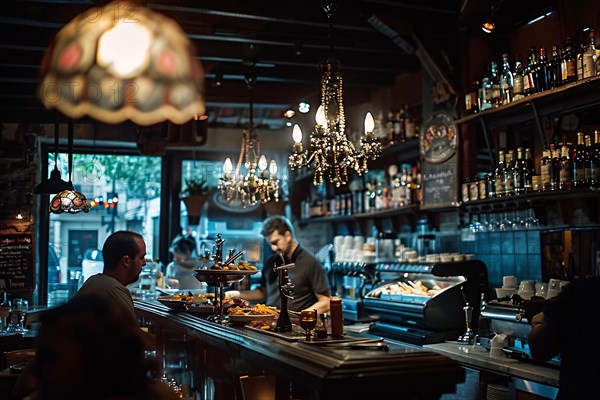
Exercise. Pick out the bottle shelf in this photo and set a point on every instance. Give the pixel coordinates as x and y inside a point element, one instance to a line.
<point>528,200</point>
<point>567,98</point>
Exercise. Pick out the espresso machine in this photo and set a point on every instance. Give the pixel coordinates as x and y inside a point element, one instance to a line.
<point>510,316</point>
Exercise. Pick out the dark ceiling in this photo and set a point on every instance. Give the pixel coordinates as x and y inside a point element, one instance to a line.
<point>375,40</point>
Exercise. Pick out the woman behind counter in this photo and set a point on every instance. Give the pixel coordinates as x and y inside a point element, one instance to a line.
<point>184,262</point>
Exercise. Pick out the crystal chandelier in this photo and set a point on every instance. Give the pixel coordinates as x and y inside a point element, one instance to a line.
<point>254,178</point>
<point>331,152</point>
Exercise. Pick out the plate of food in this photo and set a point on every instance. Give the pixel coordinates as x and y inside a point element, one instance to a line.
<point>178,301</point>
<point>258,312</point>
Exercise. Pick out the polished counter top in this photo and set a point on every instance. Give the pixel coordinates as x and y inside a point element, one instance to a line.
<point>479,358</point>
<point>326,368</point>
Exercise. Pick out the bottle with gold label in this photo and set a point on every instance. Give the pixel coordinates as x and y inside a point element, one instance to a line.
<point>499,174</point>
<point>566,166</point>
<point>508,173</point>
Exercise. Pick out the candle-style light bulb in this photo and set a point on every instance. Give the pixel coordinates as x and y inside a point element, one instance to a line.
<point>273,167</point>
<point>369,123</point>
<point>228,166</point>
<point>262,163</point>
<point>297,134</point>
<point>320,117</point>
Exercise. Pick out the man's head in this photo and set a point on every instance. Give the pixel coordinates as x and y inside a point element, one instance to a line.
<point>278,231</point>
<point>124,254</point>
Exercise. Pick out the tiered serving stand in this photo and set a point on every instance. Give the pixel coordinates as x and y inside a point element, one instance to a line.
<point>219,279</point>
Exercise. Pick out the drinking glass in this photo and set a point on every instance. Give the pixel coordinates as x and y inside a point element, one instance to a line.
<point>21,307</point>
<point>308,322</point>
<point>531,222</point>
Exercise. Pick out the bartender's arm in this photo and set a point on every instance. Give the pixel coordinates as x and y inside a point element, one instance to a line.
<point>543,339</point>
<point>322,304</point>
<point>257,294</point>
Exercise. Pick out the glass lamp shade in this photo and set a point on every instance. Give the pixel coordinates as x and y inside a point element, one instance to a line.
<point>123,62</point>
<point>69,201</point>
<point>54,184</point>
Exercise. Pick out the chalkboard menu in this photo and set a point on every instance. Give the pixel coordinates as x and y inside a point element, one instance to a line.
<point>17,267</point>
<point>439,184</point>
<point>438,144</point>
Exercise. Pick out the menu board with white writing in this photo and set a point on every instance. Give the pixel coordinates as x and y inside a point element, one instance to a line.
<point>17,267</point>
<point>439,184</point>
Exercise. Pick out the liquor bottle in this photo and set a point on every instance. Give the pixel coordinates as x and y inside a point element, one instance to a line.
<point>529,77</point>
<point>399,133</point>
<point>499,174</point>
<point>541,72</point>
<point>590,165</point>
<point>568,65</point>
<point>521,173</point>
<point>553,69</point>
<point>508,175</point>
<point>485,92</point>
<point>566,166</point>
<point>590,56</point>
<point>495,81</point>
<point>579,61</point>
<point>529,161</point>
<point>579,161</point>
<point>471,103</point>
<point>545,168</point>
<point>554,168</point>
<point>506,82</point>
<point>518,89</point>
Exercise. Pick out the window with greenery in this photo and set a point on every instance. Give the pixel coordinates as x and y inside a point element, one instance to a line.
<point>124,193</point>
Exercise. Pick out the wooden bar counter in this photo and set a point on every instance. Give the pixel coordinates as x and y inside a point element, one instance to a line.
<point>211,358</point>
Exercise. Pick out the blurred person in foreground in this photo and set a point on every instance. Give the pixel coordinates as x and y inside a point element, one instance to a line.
<point>569,327</point>
<point>86,349</point>
<point>311,287</point>
<point>124,254</point>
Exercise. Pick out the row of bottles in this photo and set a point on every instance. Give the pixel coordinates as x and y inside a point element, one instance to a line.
<point>562,167</point>
<point>399,188</point>
<point>400,126</point>
<point>543,71</point>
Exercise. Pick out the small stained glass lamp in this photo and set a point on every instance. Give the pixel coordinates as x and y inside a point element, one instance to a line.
<point>123,62</point>
<point>69,200</point>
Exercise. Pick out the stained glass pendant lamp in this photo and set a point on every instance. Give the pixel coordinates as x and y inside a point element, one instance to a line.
<point>69,200</point>
<point>123,62</point>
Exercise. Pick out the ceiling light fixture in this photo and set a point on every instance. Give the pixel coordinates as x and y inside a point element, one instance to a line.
<point>69,200</point>
<point>123,61</point>
<point>488,25</point>
<point>331,152</point>
<point>260,182</point>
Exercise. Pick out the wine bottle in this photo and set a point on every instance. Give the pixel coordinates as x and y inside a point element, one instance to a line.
<point>554,168</point>
<point>521,173</point>
<point>590,58</point>
<point>541,72</point>
<point>579,161</point>
<point>568,65</point>
<point>508,175</point>
<point>566,166</point>
<point>545,169</point>
<point>553,70</point>
<point>499,174</point>
<point>506,82</point>
<point>590,164</point>
<point>518,89</point>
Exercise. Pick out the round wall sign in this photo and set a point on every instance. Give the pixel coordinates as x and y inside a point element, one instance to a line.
<point>439,141</point>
